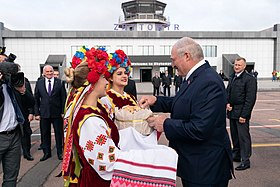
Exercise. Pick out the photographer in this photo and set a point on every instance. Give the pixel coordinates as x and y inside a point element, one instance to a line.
<point>11,121</point>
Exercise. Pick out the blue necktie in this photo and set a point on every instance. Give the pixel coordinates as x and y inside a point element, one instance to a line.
<point>184,80</point>
<point>50,88</point>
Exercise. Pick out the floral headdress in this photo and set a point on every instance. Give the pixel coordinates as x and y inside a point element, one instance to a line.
<point>96,59</point>
<point>79,57</point>
<point>116,60</point>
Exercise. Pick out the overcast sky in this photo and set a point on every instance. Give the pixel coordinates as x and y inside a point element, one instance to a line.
<point>190,15</point>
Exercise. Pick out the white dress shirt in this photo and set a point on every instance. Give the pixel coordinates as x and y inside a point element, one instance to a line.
<point>194,68</point>
<point>47,83</point>
<point>9,119</point>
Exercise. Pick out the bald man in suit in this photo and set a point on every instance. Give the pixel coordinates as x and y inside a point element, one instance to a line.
<point>196,128</point>
<point>50,96</point>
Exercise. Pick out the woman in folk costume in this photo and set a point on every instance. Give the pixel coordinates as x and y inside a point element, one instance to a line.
<point>75,90</point>
<point>74,97</point>
<point>119,67</point>
<point>95,153</point>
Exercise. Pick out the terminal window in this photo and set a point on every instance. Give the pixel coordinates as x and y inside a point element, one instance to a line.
<point>128,49</point>
<point>209,50</point>
<point>165,49</point>
<point>146,49</point>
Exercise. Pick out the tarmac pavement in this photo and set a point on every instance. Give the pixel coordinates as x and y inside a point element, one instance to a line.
<point>265,132</point>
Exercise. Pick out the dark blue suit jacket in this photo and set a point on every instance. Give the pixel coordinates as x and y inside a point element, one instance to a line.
<point>197,127</point>
<point>49,106</point>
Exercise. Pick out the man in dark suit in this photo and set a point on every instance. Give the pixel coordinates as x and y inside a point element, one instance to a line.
<point>130,88</point>
<point>177,82</point>
<point>196,128</point>
<point>156,83</point>
<point>50,96</point>
<point>242,94</point>
<point>26,103</point>
<point>166,83</point>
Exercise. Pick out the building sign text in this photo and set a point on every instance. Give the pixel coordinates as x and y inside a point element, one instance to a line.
<point>151,63</point>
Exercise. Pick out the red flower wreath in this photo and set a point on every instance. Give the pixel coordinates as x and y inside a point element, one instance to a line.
<point>96,59</point>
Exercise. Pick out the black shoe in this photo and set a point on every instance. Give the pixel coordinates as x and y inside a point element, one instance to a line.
<point>45,157</point>
<point>60,157</point>
<point>28,157</point>
<point>242,167</point>
<point>236,159</point>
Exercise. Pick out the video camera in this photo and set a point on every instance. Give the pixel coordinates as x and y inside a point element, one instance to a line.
<point>10,73</point>
<point>11,58</point>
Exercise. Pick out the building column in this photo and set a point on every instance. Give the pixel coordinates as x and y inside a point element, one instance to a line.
<point>276,63</point>
<point>1,35</point>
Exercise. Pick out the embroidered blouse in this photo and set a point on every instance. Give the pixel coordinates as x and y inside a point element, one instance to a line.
<point>115,99</point>
<point>97,147</point>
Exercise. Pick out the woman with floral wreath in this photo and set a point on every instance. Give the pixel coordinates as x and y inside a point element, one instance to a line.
<point>119,67</point>
<point>118,70</point>
<point>92,156</point>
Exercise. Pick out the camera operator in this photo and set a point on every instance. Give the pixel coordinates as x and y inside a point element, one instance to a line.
<point>11,121</point>
<point>10,137</point>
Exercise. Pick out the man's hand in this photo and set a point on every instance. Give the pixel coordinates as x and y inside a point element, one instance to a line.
<point>147,101</point>
<point>156,122</point>
<point>30,117</point>
<point>242,120</point>
<point>229,108</point>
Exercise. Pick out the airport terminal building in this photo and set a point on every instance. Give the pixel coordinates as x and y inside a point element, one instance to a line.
<point>147,37</point>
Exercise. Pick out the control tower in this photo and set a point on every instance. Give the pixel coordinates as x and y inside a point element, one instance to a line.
<point>143,15</point>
